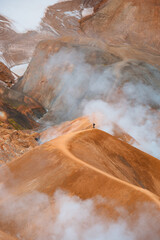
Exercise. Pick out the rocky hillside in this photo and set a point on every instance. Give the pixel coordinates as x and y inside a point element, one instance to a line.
<point>80,129</point>
<point>6,75</point>
<point>85,164</point>
<point>59,20</point>
<point>71,78</point>
<point>130,28</point>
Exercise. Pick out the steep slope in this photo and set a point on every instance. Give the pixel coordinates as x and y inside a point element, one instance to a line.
<point>53,59</point>
<point>74,77</point>
<point>65,155</point>
<point>58,20</point>
<point>123,25</point>
<point>62,18</point>
<point>60,65</point>
<point>84,177</point>
<point>4,236</point>
<point>14,143</point>
<point>61,164</point>
<point>78,124</point>
<point>130,28</point>
<point>19,110</point>
<point>17,48</point>
<point>121,160</point>
<point>6,75</point>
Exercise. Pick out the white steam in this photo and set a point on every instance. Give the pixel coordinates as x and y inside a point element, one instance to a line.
<point>126,94</point>
<point>131,113</point>
<point>26,15</point>
<point>39,217</point>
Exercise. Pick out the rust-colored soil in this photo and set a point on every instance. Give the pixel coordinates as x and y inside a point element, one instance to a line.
<point>86,164</point>
<point>78,124</point>
<point>105,166</point>
<point>14,143</point>
<point>5,236</point>
<point>6,75</point>
<point>129,27</point>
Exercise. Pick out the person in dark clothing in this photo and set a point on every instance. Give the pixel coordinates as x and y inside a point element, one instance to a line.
<point>37,138</point>
<point>94,125</point>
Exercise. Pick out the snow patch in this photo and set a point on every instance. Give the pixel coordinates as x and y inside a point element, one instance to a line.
<point>51,29</point>
<point>19,69</point>
<point>87,12</point>
<point>74,13</point>
<point>4,21</point>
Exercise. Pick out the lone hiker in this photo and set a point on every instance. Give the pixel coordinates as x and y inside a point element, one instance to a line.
<point>94,125</point>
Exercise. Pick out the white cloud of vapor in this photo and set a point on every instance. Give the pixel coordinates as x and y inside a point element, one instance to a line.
<point>25,14</point>
<point>138,120</point>
<point>64,217</point>
<point>126,94</point>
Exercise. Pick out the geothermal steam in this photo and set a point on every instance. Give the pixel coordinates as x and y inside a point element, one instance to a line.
<point>126,94</point>
<point>39,217</point>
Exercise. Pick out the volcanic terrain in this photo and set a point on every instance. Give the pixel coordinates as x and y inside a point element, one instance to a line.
<point>80,121</point>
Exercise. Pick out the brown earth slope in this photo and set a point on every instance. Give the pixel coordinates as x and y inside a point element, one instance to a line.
<point>14,143</point>
<point>42,77</point>
<point>5,236</point>
<point>66,72</point>
<point>104,157</point>
<point>6,75</point>
<point>59,19</point>
<point>78,124</point>
<point>106,167</point>
<point>17,48</point>
<point>17,113</point>
<point>129,27</point>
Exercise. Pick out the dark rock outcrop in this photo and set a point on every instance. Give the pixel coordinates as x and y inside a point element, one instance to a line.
<point>19,110</point>
<point>6,75</point>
